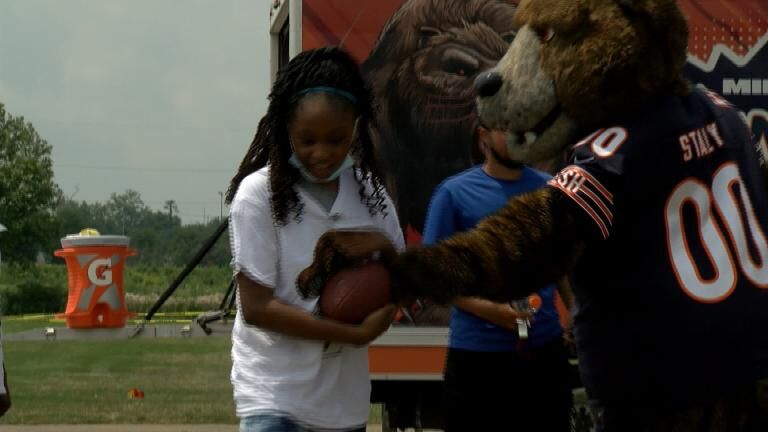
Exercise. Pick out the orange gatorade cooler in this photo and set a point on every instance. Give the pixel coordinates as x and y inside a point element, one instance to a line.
<point>95,276</point>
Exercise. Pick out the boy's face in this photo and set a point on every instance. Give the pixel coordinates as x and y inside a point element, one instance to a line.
<point>493,143</point>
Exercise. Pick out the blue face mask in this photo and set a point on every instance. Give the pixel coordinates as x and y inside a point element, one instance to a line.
<point>346,164</point>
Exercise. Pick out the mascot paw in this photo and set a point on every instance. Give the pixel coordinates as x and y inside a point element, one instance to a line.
<point>338,249</point>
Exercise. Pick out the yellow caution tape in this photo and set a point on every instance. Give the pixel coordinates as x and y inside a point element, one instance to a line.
<point>52,317</point>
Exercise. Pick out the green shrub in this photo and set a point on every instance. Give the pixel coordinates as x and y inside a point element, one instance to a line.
<point>31,297</point>
<point>27,290</point>
<point>43,288</point>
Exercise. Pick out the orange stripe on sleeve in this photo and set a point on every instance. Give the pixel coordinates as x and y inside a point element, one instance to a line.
<point>583,204</point>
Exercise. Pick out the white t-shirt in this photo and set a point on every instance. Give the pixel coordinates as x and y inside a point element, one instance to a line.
<point>323,387</point>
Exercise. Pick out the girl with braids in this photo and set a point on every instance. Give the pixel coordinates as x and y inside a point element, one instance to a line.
<point>310,169</point>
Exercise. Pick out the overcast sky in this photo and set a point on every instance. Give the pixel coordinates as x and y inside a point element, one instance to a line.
<point>160,96</point>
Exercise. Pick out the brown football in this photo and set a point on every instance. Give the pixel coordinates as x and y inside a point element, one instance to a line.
<point>353,293</point>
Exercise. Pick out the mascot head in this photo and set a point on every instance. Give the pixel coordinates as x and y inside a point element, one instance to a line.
<point>579,64</point>
<point>422,69</point>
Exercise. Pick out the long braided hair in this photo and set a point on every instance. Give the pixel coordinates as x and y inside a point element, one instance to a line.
<point>330,67</point>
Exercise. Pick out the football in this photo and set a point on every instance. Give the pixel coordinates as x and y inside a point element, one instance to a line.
<point>353,293</point>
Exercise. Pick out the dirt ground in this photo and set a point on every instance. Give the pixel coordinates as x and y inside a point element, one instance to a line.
<point>134,428</point>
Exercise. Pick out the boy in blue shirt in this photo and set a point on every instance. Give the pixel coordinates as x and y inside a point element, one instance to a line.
<point>484,347</point>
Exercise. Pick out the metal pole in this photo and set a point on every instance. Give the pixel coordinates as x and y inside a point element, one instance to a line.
<point>2,228</point>
<point>221,205</point>
<point>184,273</point>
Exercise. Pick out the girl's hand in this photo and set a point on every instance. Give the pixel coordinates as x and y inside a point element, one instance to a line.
<point>375,324</point>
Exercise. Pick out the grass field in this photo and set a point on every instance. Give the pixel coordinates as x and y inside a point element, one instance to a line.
<point>16,324</point>
<point>87,382</point>
<point>11,325</point>
<point>79,382</point>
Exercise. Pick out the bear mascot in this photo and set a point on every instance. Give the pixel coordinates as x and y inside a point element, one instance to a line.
<point>660,217</point>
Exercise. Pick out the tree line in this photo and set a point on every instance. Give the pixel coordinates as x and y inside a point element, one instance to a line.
<point>159,237</point>
<point>37,214</point>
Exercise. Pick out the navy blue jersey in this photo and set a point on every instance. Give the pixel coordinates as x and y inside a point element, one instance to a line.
<point>672,288</point>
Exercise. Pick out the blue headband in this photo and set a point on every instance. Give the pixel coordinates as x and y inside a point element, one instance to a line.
<point>325,89</point>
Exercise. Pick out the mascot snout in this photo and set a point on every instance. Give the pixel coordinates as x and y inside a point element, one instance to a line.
<point>488,84</point>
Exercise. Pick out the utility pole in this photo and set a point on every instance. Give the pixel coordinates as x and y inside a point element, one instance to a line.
<point>171,206</point>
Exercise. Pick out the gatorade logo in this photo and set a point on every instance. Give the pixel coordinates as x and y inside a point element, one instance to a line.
<point>100,272</point>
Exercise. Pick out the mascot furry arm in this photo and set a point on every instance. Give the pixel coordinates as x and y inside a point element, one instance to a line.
<point>528,243</point>
<point>531,241</point>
